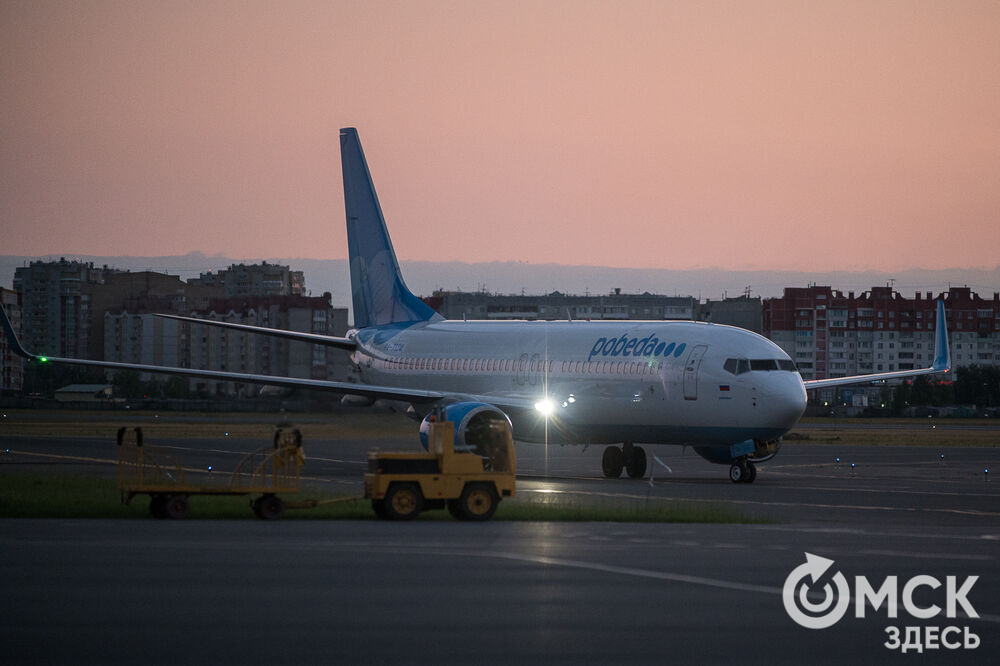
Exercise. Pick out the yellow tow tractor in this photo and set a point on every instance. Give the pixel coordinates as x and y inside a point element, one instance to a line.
<point>469,474</point>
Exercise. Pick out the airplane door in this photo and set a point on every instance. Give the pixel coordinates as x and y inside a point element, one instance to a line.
<point>691,372</point>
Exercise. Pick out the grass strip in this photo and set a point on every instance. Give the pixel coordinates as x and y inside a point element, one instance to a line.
<point>73,496</point>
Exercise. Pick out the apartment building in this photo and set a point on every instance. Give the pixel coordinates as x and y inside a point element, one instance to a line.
<point>829,334</point>
<point>11,365</point>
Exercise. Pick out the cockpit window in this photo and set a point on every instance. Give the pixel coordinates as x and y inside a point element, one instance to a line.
<point>737,366</point>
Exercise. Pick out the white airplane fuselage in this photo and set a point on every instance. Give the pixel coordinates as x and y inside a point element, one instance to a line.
<point>604,382</point>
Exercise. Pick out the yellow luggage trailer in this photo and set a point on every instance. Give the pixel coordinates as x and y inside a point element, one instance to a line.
<point>150,470</point>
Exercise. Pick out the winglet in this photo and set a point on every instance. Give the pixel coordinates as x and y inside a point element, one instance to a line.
<point>942,355</point>
<point>15,344</point>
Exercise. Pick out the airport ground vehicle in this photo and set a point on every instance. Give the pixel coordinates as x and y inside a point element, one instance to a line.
<point>469,476</point>
<point>149,470</point>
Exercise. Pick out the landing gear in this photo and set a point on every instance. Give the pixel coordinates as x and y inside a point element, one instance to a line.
<point>635,460</point>
<point>743,471</point>
<point>629,457</point>
<point>613,462</point>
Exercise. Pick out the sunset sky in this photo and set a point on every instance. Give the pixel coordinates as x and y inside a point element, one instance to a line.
<point>748,134</point>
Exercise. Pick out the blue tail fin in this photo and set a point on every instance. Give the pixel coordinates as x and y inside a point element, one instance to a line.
<point>380,296</point>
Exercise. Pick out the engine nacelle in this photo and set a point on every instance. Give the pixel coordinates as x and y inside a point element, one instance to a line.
<point>477,425</point>
<point>756,450</point>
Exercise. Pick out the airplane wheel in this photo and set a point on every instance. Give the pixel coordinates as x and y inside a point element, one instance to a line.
<point>751,472</point>
<point>736,473</point>
<point>478,501</point>
<point>636,466</point>
<point>403,501</point>
<point>613,462</point>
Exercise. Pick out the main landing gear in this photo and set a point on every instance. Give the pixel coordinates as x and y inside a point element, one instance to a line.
<point>631,458</point>
<point>743,471</point>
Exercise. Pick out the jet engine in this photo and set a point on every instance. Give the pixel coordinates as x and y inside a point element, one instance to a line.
<point>479,428</point>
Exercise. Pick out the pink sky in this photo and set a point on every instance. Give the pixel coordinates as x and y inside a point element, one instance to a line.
<point>769,135</point>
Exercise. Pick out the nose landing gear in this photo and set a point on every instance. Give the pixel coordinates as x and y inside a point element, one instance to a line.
<point>631,458</point>
<point>743,471</point>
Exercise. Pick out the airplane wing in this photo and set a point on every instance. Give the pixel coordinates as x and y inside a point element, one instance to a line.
<point>383,392</point>
<point>942,362</point>
<point>312,338</point>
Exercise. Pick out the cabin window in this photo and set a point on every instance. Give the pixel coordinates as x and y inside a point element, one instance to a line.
<point>743,366</point>
<point>786,364</point>
<point>731,365</point>
<point>763,364</point>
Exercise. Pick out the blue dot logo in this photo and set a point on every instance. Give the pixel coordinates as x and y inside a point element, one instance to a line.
<point>680,349</point>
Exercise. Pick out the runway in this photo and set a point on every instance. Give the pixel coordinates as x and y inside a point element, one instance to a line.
<point>442,592</point>
<point>448,592</point>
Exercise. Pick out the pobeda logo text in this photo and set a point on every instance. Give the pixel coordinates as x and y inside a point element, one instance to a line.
<point>626,346</point>
<point>795,595</point>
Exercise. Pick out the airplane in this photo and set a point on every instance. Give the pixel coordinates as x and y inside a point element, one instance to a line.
<point>727,392</point>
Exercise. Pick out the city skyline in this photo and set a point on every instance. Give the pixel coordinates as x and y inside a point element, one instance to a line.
<point>766,135</point>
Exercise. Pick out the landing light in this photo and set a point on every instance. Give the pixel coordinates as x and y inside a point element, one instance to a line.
<point>545,406</point>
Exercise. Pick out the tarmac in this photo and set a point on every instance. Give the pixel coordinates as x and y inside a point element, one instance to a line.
<point>94,591</point>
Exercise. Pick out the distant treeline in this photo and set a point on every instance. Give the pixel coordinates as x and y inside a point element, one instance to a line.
<point>977,385</point>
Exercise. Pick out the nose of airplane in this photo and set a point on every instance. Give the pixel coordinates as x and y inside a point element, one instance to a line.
<point>785,399</point>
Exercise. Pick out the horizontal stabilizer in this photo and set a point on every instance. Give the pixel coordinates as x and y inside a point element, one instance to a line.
<point>312,338</point>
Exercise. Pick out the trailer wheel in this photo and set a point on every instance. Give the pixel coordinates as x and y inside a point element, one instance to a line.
<point>176,507</point>
<point>478,501</point>
<point>378,506</point>
<point>270,507</point>
<point>158,506</point>
<point>403,501</point>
